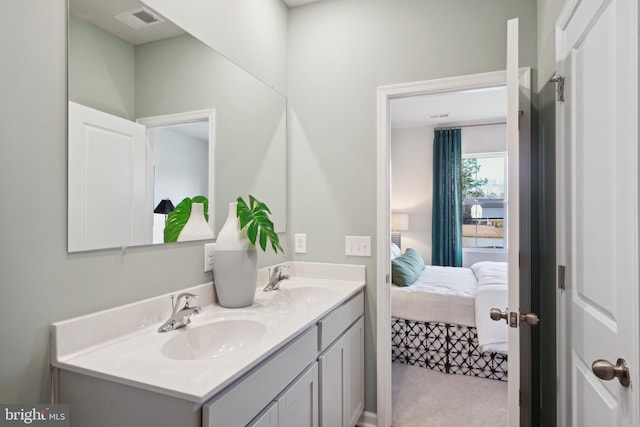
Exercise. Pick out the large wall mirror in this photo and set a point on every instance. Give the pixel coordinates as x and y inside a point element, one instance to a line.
<point>156,114</point>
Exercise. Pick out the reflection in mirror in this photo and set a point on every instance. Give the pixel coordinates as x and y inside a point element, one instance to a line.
<point>122,85</point>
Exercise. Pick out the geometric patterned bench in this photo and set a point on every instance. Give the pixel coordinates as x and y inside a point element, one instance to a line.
<point>444,347</point>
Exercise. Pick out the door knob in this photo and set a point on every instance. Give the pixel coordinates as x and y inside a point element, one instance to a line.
<point>529,318</point>
<point>497,314</point>
<point>514,318</point>
<point>605,370</point>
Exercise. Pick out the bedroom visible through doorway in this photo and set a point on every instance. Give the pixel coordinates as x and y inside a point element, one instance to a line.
<point>387,95</point>
<point>433,318</point>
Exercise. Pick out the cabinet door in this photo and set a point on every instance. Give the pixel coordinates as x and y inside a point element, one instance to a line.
<point>268,417</point>
<point>333,383</point>
<point>354,372</point>
<point>298,405</point>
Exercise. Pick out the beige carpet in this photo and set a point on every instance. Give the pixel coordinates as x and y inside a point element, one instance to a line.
<point>426,398</point>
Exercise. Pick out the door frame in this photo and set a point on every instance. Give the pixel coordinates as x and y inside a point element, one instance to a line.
<point>383,206</point>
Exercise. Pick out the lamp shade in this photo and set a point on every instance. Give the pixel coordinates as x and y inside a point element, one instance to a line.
<point>399,221</point>
<point>164,207</point>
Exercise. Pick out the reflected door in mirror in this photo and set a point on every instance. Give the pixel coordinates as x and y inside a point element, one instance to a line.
<point>107,183</point>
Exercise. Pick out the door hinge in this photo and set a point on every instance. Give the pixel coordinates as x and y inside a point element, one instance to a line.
<point>562,277</point>
<point>559,81</point>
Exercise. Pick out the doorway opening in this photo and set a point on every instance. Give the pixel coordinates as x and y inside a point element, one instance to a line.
<point>391,205</point>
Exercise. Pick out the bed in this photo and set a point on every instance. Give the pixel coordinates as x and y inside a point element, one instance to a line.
<point>441,320</point>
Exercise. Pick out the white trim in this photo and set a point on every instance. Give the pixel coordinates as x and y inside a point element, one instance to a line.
<point>563,375</point>
<point>368,419</point>
<point>383,264</point>
<point>512,229</point>
<point>383,293</point>
<point>191,117</point>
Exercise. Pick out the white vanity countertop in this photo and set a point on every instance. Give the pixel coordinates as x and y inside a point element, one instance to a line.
<point>123,345</point>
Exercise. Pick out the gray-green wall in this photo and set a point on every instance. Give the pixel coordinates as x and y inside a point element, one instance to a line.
<point>101,70</point>
<point>39,282</point>
<point>181,74</point>
<point>339,52</point>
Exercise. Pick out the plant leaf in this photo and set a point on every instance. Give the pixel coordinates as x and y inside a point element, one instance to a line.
<point>255,217</point>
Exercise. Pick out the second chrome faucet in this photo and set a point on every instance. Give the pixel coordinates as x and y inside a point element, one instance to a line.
<point>275,278</point>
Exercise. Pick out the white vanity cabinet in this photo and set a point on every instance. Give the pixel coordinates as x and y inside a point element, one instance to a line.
<point>310,372</point>
<point>329,393</point>
<point>268,417</point>
<point>297,406</point>
<point>278,379</point>
<point>341,370</point>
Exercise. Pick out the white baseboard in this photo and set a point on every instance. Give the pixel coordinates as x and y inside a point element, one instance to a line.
<point>368,419</point>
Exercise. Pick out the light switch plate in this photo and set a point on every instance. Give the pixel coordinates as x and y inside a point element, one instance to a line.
<point>357,245</point>
<point>208,256</point>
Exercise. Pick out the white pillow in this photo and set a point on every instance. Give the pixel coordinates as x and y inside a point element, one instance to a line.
<point>492,268</point>
<point>395,251</point>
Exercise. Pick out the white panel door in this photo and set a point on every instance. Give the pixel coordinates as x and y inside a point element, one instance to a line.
<point>513,215</point>
<point>597,186</point>
<point>107,184</point>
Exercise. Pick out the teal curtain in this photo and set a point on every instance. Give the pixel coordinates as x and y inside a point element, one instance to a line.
<point>446,246</point>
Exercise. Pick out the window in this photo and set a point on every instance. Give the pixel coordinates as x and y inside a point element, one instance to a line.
<point>484,200</point>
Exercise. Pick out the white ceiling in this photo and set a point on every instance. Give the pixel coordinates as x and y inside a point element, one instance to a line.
<point>102,14</point>
<point>468,107</point>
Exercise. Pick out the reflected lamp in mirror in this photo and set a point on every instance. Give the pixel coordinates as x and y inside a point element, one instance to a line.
<point>164,207</point>
<point>399,222</point>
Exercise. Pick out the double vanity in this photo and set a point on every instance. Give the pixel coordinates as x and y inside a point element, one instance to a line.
<point>293,358</point>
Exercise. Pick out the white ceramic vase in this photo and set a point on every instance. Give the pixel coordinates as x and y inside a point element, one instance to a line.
<point>196,227</point>
<point>235,264</point>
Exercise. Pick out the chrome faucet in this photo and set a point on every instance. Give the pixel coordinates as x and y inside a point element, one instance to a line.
<point>275,278</point>
<point>180,317</point>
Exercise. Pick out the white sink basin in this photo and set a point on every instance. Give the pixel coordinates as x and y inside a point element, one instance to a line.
<point>213,339</point>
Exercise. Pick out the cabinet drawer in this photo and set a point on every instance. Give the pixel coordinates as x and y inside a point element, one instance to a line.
<point>239,405</point>
<point>332,326</point>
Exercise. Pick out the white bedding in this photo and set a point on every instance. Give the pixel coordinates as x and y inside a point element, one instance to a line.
<point>492,292</point>
<point>458,295</point>
<point>441,294</point>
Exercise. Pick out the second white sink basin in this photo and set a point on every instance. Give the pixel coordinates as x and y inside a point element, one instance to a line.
<point>213,339</point>
<point>305,294</point>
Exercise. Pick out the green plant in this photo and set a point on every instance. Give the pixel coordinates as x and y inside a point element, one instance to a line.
<point>179,216</point>
<point>255,216</point>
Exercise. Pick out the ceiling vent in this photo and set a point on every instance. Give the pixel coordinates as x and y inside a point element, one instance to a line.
<point>140,18</point>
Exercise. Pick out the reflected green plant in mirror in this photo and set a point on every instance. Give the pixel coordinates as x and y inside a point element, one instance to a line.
<point>180,215</point>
